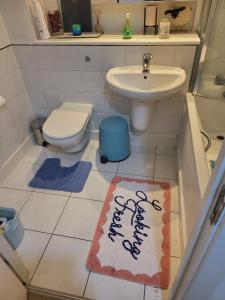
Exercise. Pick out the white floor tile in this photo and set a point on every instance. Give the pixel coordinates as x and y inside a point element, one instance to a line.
<point>62,267</point>
<point>152,293</point>
<point>138,164</point>
<point>42,212</point>
<point>166,166</point>
<point>96,187</point>
<point>32,248</point>
<point>79,218</point>
<point>39,154</point>
<point>103,287</point>
<point>21,176</point>
<point>174,200</point>
<point>13,198</point>
<point>97,165</point>
<point>175,235</point>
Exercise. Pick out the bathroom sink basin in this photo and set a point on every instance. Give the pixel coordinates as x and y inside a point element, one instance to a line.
<point>159,83</point>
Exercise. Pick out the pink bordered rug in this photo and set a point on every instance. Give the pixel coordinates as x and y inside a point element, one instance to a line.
<point>132,238</point>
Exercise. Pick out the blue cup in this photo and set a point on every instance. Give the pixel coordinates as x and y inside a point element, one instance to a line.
<point>76,29</point>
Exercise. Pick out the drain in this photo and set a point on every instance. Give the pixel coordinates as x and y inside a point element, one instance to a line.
<point>220,137</point>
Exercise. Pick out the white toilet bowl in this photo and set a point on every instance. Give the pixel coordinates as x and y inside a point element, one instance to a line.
<point>68,126</point>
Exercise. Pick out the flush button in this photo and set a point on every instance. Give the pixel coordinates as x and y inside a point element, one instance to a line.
<point>87,59</point>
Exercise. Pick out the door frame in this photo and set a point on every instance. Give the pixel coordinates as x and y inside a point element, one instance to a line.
<point>13,260</point>
<point>203,232</point>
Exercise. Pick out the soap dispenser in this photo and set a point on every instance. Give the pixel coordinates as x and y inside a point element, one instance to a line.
<point>127,29</point>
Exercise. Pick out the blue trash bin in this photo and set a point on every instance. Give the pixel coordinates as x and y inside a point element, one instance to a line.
<point>114,143</point>
<point>14,232</point>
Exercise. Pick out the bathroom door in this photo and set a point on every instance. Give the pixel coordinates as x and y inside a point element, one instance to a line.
<point>202,271</point>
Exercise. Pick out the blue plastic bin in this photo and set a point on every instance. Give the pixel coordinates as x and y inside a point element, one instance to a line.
<point>15,232</point>
<point>114,143</point>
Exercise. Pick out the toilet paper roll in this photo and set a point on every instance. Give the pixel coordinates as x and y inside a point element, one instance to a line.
<point>3,223</point>
<point>2,101</point>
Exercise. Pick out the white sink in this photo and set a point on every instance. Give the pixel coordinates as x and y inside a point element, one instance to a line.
<point>145,88</point>
<point>160,82</point>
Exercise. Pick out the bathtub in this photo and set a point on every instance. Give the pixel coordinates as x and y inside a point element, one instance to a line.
<point>193,167</point>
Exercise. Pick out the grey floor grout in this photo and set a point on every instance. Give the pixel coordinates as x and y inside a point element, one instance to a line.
<point>144,292</point>
<point>86,283</point>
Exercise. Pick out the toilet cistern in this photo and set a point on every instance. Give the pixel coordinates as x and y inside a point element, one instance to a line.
<point>147,57</point>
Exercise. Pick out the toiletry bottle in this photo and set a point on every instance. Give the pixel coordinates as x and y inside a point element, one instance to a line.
<point>164,29</point>
<point>40,20</point>
<point>127,29</point>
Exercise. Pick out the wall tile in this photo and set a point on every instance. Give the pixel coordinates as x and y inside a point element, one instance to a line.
<point>32,79</point>
<point>37,99</point>
<point>65,58</point>
<point>93,53</point>
<point>53,99</point>
<point>51,80</point>
<point>184,57</point>
<point>44,57</point>
<point>161,55</point>
<point>25,56</point>
<point>7,62</point>
<point>71,81</point>
<point>12,85</point>
<point>111,57</point>
<point>95,82</point>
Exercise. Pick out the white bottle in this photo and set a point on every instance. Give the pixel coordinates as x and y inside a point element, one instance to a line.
<point>164,29</point>
<point>40,20</point>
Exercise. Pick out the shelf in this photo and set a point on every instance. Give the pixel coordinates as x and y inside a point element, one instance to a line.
<point>116,40</point>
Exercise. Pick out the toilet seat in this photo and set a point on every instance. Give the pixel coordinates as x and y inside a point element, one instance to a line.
<point>64,124</point>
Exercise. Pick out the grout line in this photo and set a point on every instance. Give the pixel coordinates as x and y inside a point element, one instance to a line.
<point>144,292</point>
<point>5,47</point>
<point>48,243</point>
<point>86,283</point>
<point>39,261</point>
<point>87,199</point>
<point>155,154</point>
<point>72,237</point>
<point>24,204</point>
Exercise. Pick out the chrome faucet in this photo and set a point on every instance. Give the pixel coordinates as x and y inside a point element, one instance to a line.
<point>146,62</point>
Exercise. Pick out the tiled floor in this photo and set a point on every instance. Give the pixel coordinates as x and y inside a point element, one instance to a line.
<point>59,226</point>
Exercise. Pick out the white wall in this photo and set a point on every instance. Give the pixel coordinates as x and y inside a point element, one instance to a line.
<point>56,74</point>
<point>16,114</point>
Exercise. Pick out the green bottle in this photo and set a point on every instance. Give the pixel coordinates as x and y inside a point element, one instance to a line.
<point>127,29</point>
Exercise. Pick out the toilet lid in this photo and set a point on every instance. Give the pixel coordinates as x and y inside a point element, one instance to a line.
<point>63,124</point>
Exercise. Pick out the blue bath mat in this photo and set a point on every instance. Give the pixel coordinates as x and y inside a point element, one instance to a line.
<point>52,176</point>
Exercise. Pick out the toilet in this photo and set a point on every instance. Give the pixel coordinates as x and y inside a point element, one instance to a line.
<point>68,127</point>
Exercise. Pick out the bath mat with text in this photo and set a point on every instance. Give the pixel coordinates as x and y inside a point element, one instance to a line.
<point>132,238</point>
<point>52,176</point>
